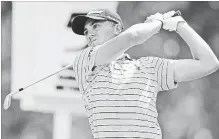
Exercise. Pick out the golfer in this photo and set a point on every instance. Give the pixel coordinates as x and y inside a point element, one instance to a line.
<point>119,92</point>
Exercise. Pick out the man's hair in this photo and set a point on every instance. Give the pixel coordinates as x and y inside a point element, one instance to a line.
<point>121,28</point>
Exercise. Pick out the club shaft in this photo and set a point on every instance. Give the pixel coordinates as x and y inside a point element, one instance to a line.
<point>21,89</point>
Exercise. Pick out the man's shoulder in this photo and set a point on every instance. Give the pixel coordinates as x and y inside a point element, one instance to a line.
<point>84,51</point>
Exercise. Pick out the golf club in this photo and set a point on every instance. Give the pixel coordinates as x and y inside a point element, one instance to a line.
<point>8,98</point>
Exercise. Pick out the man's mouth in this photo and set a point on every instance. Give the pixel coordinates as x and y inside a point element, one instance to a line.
<point>93,41</point>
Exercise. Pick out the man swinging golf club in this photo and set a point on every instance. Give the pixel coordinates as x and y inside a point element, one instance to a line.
<point>120,92</point>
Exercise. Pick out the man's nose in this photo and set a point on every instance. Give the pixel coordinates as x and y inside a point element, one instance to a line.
<point>91,35</point>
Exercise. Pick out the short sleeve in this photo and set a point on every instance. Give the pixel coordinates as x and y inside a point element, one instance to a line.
<point>83,66</point>
<point>163,69</point>
<point>165,74</point>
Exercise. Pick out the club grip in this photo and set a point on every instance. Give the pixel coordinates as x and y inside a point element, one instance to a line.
<point>177,13</point>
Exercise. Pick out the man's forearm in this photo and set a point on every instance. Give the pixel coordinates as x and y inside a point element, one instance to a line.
<point>199,48</point>
<point>143,31</point>
<point>134,35</point>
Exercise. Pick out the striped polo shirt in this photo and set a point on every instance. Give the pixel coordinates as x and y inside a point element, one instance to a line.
<point>120,97</point>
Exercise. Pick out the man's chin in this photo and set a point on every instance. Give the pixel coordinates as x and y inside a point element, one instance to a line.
<point>95,44</point>
<point>92,45</point>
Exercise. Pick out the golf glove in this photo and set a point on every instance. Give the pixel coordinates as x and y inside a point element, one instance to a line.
<point>171,23</point>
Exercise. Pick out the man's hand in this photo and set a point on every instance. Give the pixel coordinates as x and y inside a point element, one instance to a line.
<point>157,16</point>
<point>161,17</point>
<point>170,23</point>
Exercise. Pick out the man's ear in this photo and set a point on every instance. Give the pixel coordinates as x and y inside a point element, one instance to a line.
<point>118,29</point>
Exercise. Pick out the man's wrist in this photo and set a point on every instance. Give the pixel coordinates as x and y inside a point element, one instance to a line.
<point>159,22</point>
<point>181,25</point>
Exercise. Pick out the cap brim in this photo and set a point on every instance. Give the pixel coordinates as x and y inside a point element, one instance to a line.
<point>79,22</point>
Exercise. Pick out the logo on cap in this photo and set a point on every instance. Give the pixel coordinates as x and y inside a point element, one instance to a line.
<point>95,12</point>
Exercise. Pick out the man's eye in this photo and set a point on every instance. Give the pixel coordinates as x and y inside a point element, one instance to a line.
<point>95,26</point>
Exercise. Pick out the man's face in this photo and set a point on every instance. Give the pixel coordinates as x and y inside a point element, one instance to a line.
<point>98,32</point>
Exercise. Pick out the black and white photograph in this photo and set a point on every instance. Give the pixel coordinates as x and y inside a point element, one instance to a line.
<point>109,69</point>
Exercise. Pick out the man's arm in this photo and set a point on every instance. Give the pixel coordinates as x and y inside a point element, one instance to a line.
<point>204,62</point>
<point>134,35</point>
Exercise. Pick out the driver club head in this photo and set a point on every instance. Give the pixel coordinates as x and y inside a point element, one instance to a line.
<point>7,102</point>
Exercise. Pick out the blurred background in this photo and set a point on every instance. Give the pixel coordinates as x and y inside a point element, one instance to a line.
<point>37,40</point>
